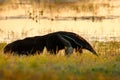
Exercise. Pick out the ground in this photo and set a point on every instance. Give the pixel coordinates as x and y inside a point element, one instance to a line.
<point>85,66</point>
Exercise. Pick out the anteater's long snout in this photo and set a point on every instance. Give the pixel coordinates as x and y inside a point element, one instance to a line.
<point>94,52</point>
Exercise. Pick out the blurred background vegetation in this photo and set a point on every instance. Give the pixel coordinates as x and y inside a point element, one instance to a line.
<point>57,10</point>
<point>72,4</point>
<point>37,8</point>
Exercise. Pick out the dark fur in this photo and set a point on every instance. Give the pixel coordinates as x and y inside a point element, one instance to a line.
<point>52,41</point>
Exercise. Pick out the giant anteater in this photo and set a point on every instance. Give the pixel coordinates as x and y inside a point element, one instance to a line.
<point>53,42</point>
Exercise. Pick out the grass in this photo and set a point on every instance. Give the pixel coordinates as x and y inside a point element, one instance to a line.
<point>55,67</point>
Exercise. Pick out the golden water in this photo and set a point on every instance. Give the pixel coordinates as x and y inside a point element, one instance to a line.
<point>105,30</point>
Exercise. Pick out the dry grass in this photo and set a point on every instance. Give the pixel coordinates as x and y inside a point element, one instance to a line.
<point>75,67</point>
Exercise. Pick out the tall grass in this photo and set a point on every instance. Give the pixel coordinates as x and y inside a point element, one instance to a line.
<point>84,66</point>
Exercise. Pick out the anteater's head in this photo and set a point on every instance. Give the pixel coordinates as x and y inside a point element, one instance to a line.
<point>90,48</point>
